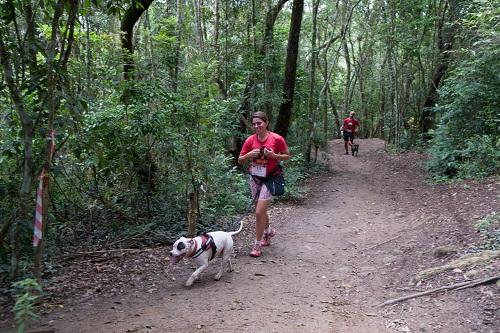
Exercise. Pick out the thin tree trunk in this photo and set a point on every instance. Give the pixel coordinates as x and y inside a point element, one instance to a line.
<point>217,28</point>
<point>266,52</point>
<point>150,46</point>
<point>60,47</point>
<point>363,63</point>
<point>219,79</point>
<point>192,214</point>
<point>27,177</point>
<point>347,84</point>
<point>444,45</point>
<point>198,24</point>
<point>88,53</point>
<point>382,101</point>
<point>227,83</point>
<point>285,113</point>
<point>177,47</point>
<point>312,84</point>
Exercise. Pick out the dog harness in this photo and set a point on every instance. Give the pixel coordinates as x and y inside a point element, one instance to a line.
<point>207,243</point>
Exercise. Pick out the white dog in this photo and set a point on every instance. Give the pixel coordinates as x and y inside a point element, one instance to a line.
<point>204,248</point>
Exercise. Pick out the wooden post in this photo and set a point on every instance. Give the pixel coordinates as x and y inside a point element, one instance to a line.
<point>192,214</point>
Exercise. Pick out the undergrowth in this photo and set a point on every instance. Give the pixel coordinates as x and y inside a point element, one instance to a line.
<point>489,227</point>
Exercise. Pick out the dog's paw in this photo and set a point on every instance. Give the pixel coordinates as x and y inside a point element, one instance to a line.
<point>217,276</point>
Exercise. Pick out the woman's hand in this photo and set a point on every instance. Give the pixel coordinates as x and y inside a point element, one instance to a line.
<point>269,153</point>
<point>254,153</point>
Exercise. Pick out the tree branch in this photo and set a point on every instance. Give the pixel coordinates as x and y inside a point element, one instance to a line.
<point>458,286</point>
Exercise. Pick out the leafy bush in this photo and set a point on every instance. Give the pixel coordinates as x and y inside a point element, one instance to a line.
<point>295,173</point>
<point>466,142</point>
<point>489,226</point>
<point>26,293</point>
<point>479,157</point>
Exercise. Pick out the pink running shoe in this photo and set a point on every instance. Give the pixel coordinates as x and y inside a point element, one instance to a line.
<point>266,240</point>
<point>256,251</point>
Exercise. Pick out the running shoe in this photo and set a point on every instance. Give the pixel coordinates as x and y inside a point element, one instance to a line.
<point>266,240</point>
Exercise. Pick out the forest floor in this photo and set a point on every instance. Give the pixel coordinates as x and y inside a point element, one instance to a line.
<point>357,239</point>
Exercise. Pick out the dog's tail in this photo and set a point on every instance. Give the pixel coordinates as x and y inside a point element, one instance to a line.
<point>233,233</point>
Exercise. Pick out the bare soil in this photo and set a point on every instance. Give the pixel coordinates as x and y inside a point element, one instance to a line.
<point>357,239</point>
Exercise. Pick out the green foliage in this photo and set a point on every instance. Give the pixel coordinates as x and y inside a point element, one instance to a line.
<point>26,294</point>
<point>466,143</point>
<point>479,158</point>
<point>296,172</point>
<point>123,170</point>
<point>489,226</point>
<point>490,221</point>
<point>137,163</point>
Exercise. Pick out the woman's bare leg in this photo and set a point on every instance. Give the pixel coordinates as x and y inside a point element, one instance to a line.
<point>262,218</point>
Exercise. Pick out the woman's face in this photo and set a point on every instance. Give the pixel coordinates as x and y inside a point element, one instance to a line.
<point>259,125</point>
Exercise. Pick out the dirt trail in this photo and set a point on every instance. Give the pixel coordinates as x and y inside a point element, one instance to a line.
<point>356,241</point>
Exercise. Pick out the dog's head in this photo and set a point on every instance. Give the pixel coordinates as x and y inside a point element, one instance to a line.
<point>180,248</point>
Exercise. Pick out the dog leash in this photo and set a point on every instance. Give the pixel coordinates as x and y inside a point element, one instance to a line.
<point>248,210</point>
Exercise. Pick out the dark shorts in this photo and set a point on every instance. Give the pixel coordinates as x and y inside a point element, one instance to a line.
<point>348,136</point>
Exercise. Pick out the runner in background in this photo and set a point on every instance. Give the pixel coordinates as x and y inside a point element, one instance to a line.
<point>349,127</point>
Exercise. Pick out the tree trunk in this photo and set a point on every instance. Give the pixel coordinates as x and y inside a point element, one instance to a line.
<point>266,52</point>
<point>88,53</point>
<point>347,84</point>
<point>219,77</point>
<point>177,47</point>
<point>198,24</point>
<point>285,113</point>
<point>150,46</point>
<point>444,45</point>
<point>128,22</point>
<point>192,214</point>
<point>27,129</point>
<point>60,47</point>
<point>311,108</point>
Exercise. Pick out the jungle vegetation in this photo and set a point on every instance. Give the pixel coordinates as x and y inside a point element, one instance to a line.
<point>130,113</point>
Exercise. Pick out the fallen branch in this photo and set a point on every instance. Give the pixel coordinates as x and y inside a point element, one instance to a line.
<point>458,286</point>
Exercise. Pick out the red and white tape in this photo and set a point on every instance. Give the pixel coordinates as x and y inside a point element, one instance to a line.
<point>38,224</point>
<point>37,233</point>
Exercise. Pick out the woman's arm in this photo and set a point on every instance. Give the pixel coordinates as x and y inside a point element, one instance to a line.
<point>282,156</point>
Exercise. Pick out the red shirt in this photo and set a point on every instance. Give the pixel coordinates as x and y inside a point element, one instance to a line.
<point>274,141</point>
<point>350,124</point>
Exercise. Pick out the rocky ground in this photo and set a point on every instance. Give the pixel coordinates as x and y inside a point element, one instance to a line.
<point>372,230</point>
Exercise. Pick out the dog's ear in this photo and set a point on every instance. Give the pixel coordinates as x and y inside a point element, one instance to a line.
<point>180,246</point>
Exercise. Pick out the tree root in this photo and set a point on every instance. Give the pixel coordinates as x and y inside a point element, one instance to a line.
<point>467,260</point>
<point>457,286</point>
